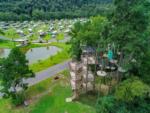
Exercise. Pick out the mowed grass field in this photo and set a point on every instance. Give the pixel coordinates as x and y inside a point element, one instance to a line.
<point>49,97</point>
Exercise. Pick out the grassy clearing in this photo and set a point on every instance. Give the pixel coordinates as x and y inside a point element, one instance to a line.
<point>53,60</point>
<point>53,101</point>
<point>6,44</point>
<point>39,88</point>
<point>11,33</point>
<point>44,85</point>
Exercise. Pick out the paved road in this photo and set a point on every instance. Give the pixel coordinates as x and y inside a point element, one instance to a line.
<point>40,76</point>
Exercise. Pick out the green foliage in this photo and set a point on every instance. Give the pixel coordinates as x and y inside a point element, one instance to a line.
<point>140,105</point>
<point>38,14</point>
<point>44,85</point>
<point>18,98</point>
<point>145,67</point>
<point>7,16</point>
<point>1,61</point>
<point>105,104</point>
<point>129,22</point>
<point>47,37</point>
<point>50,9</point>
<point>88,33</point>
<point>56,99</point>
<point>13,70</point>
<point>1,32</point>
<point>60,37</point>
<point>59,91</point>
<point>108,104</point>
<point>128,30</point>
<point>7,44</point>
<point>130,89</point>
<point>53,60</point>
<point>11,33</point>
<point>33,37</point>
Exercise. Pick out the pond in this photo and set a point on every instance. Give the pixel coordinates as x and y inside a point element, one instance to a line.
<point>35,54</point>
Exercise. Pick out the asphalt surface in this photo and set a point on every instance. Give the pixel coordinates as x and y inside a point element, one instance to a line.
<point>45,74</point>
<point>40,76</point>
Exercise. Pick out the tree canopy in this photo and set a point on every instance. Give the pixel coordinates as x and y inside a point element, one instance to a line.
<point>128,28</point>
<point>1,31</point>
<point>13,71</point>
<point>50,9</point>
<point>131,89</point>
<point>88,33</point>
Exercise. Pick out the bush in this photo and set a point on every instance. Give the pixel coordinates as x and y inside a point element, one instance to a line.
<point>130,89</point>
<point>108,104</point>
<point>105,104</point>
<point>18,98</point>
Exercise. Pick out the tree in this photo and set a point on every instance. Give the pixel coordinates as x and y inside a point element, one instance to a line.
<point>47,37</point>
<point>109,104</point>
<point>128,30</point>
<point>75,42</point>
<point>105,104</point>
<point>60,37</point>
<point>38,14</point>
<point>1,32</point>
<point>88,34</point>
<point>132,96</point>
<point>14,70</point>
<point>49,9</point>
<point>131,89</point>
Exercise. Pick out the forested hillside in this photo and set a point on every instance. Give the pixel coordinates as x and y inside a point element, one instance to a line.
<point>49,9</point>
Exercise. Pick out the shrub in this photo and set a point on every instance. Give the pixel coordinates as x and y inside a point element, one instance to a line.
<point>130,89</point>
<point>18,98</point>
<point>105,104</point>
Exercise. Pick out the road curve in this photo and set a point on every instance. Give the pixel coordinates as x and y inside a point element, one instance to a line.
<point>40,76</point>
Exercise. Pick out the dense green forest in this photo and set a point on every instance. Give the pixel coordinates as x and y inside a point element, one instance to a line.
<point>51,9</point>
<point>127,28</point>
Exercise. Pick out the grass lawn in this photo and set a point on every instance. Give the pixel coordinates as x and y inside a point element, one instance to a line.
<point>6,44</point>
<point>53,101</point>
<point>11,33</point>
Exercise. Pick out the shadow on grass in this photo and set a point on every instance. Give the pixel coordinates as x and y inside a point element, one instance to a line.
<point>88,98</point>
